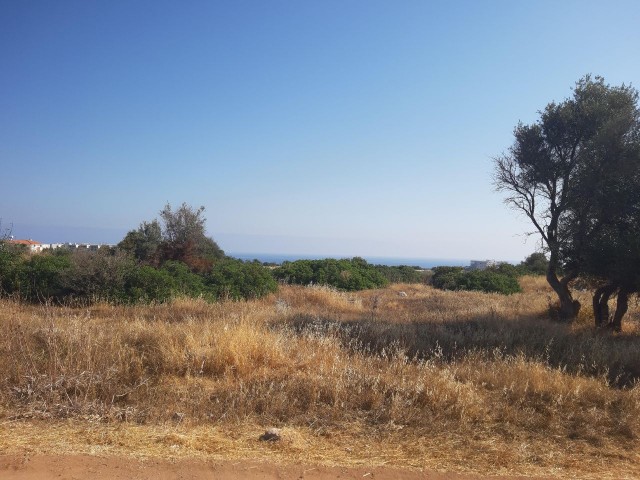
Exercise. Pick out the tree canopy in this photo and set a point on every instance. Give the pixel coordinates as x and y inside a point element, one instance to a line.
<point>179,235</point>
<point>571,173</point>
<point>144,241</point>
<point>536,263</point>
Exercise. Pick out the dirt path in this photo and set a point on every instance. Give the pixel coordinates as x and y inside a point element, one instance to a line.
<point>76,467</point>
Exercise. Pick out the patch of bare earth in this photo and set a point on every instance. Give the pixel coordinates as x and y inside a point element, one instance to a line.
<point>45,467</point>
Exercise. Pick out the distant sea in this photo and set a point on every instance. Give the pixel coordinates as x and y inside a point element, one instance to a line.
<point>390,261</point>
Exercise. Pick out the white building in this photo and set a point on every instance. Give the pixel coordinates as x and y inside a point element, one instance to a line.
<point>482,264</point>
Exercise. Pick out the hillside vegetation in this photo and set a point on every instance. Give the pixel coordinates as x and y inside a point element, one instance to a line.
<point>463,381</point>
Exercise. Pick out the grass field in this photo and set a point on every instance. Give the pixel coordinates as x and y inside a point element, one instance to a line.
<point>457,381</point>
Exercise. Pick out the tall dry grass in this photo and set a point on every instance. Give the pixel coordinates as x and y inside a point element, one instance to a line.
<point>484,369</point>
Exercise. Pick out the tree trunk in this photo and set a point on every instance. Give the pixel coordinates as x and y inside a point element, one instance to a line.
<point>601,304</point>
<point>622,304</point>
<point>569,307</point>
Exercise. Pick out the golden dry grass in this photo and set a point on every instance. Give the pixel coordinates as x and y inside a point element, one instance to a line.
<point>458,381</point>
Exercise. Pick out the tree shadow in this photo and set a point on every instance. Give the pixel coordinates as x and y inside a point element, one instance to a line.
<point>575,350</point>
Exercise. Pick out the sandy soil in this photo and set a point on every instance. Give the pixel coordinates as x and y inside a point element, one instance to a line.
<point>76,467</point>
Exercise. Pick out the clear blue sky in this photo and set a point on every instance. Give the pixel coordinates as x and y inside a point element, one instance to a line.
<point>320,127</point>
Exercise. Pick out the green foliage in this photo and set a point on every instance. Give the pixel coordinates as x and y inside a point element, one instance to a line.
<point>447,278</point>
<point>566,171</point>
<point>146,284</point>
<point>235,279</point>
<point>502,279</point>
<point>350,275</point>
<point>402,274</point>
<point>114,275</point>
<point>184,237</point>
<point>185,282</point>
<point>535,264</point>
<point>96,276</point>
<point>504,268</point>
<point>10,264</point>
<point>39,278</point>
<point>180,235</point>
<point>143,242</point>
<point>492,281</point>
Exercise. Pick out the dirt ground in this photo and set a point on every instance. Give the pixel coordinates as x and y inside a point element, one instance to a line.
<point>76,467</point>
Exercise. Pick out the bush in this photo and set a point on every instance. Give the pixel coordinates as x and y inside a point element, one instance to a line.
<point>147,284</point>
<point>350,275</point>
<point>447,278</point>
<point>185,282</point>
<point>492,281</point>
<point>236,280</point>
<point>402,274</point>
<point>39,278</point>
<point>95,276</point>
<point>535,264</point>
<point>114,275</point>
<point>10,264</point>
<point>501,279</point>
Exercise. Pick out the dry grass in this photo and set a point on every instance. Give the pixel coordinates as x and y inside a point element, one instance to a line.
<point>446,380</point>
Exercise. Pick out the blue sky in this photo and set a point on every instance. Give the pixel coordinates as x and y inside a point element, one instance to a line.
<point>304,127</point>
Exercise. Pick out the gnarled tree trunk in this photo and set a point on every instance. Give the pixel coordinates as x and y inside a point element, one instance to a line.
<point>622,305</point>
<point>569,308</point>
<point>601,303</point>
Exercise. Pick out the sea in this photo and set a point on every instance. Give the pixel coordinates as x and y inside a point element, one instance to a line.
<point>390,261</point>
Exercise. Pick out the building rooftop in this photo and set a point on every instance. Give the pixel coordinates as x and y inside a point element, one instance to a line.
<point>24,242</point>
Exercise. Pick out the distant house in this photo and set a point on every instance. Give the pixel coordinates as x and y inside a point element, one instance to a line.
<point>482,264</point>
<point>31,245</point>
<point>36,247</point>
<point>83,246</point>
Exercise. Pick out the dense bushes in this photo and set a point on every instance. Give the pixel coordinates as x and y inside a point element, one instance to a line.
<point>501,279</point>
<point>40,277</point>
<point>236,279</point>
<point>93,276</point>
<point>346,274</point>
<point>535,264</point>
<point>115,276</point>
<point>403,274</point>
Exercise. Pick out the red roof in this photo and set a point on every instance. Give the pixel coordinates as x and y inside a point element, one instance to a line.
<point>24,242</point>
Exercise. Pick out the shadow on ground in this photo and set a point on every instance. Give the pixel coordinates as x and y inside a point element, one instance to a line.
<point>578,350</point>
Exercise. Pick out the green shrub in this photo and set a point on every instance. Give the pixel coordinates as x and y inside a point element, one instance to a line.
<point>10,264</point>
<point>353,274</point>
<point>492,281</point>
<point>498,279</point>
<point>96,276</point>
<point>147,284</point>
<point>114,275</point>
<point>234,279</point>
<point>185,282</point>
<point>402,274</point>
<point>39,278</point>
<point>535,264</point>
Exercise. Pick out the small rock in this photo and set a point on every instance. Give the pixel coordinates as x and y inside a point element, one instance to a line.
<point>271,435</point>
<point>178,417</point>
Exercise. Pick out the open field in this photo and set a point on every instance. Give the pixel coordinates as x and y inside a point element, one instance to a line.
<point>447,381</point>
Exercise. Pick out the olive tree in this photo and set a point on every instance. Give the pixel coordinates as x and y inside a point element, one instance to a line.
<point>612,256</point>
<point>143,242</point>
<point>180,235</point>
<point>185,239</point>
<point>556,171</point>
